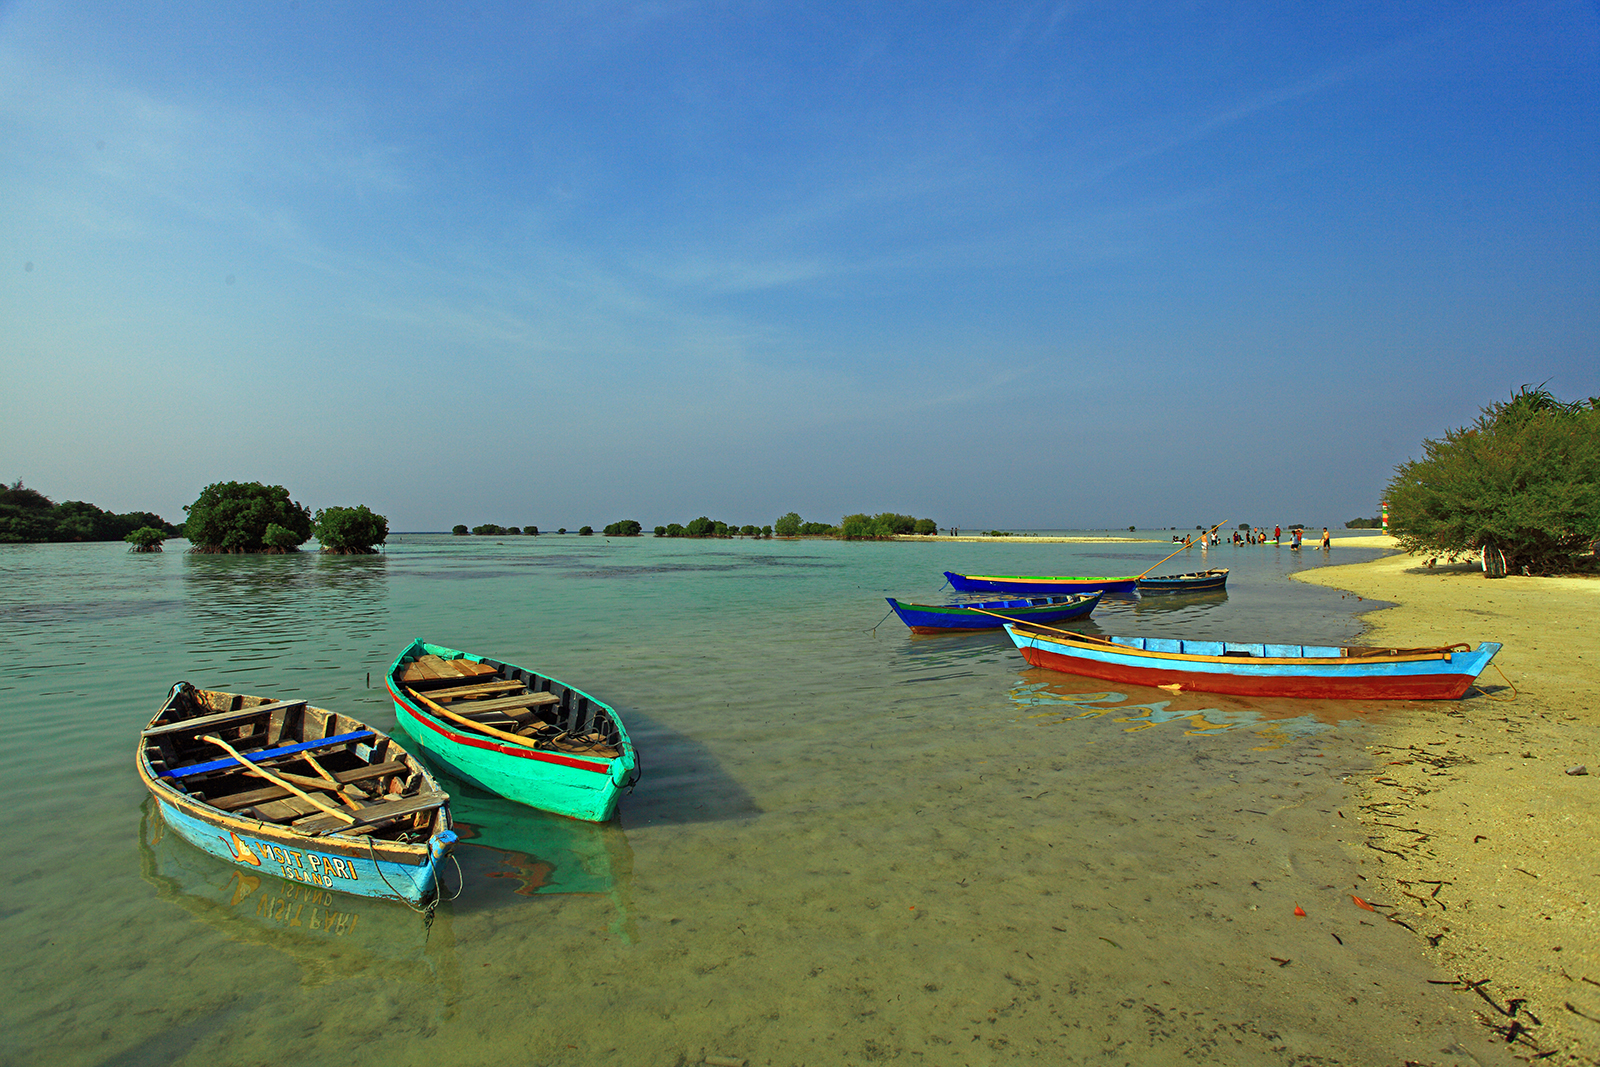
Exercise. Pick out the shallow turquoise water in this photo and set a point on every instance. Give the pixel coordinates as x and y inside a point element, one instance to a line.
<point>850,845</point>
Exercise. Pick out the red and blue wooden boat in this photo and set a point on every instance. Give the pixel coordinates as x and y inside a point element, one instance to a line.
<point>987,614</point>
<point>1265,670</point>
<point>1024,585</point>
<point>1195,582</point>
<point>280,787</point>
<point>513,732</point>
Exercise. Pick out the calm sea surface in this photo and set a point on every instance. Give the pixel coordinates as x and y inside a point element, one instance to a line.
<point>850,845</point>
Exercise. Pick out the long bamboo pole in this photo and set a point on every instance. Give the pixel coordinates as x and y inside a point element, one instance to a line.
<point>1158,563</point>
<point>261,772</point>
<point>462,720</point>
<point>1042,626</point>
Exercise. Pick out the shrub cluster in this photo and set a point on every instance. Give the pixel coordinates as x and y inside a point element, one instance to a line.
<point>349,531</point>
<point>708,527</point>
<point>882,526</point>
<point>246,517</point>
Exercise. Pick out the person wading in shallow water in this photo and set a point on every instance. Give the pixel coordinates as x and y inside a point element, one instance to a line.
<point>1325,541</point>
<point>1277,534</point>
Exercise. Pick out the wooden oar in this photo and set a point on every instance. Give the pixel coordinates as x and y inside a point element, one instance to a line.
<point>337,790</point>
<point>1158,563</point>
<point>1042,626</point>
<point>275,780</point>
<point>462,720</point>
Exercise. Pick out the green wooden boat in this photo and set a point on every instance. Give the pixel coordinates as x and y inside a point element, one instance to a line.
<point>514,732</point>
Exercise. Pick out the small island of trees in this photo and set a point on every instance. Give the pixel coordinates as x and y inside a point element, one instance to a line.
<point>239,517</point>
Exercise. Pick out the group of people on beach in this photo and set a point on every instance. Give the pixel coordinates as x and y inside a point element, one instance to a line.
<point>1255,535</point>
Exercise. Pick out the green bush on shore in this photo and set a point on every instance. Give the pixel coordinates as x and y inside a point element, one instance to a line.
<point>1523,478</point>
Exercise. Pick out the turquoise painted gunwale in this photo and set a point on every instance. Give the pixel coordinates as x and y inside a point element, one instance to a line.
<point>574,786</point>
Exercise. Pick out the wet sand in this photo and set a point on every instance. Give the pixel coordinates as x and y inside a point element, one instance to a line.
<point>1480,838</point>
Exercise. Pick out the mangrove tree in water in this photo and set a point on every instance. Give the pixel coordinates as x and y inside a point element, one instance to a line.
<point>246,517</point>
<point>349,531</point>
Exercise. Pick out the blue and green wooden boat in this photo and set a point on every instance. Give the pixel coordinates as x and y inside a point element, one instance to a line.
<point>514,732</point>
<point>987,614</point>
<point>1195,582</point>
<point>1030,585</point>
<point>280,787</point>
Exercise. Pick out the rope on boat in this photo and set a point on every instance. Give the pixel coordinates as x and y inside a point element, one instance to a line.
<point>1489,696</point>
<point>427,910</point>
<point>873,629</point>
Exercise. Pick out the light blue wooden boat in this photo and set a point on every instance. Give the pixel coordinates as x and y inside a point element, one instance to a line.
<point>1259,669</point>
<point>513,732</point>
<point>283,788</point>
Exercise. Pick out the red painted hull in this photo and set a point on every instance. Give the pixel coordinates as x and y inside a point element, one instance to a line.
<point>1425,687</point>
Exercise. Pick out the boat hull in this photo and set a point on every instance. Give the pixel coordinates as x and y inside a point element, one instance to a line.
<point>1015,583</point>
<point>954,618</point>
<point>1442,676</point>
<point>382,873</point>
<point>570,785</point>
<point>1201,582</point>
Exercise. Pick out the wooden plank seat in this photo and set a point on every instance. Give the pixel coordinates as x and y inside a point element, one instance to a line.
<point>263,755</point>
<point>221,718</point>
<point>501,705</point>
<point>479,689</point>
<point>275,792</point>
<point>373,814</point>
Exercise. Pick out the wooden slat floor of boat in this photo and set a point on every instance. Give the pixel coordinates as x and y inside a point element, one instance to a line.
<point>372,814</point>
<point>286,809</point>
<point>275,792</point>
<point>221,718</point>
<point>477,689</point>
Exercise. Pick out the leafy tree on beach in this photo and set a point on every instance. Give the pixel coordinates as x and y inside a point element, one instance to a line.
<point>459,529</point>
<point>235,516</point>
<point>1525,477</point>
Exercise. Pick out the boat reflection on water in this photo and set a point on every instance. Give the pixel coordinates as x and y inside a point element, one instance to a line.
<point>509,852</point>
<point>1168,603</point>
<point>332,935</point>
<point>1050,697</point>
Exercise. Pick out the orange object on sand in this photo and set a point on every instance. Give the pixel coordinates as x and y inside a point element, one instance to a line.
<point>1298,910</point>
<point>1361,903</point>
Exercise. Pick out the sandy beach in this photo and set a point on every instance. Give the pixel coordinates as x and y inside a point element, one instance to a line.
<point>1479,835</point>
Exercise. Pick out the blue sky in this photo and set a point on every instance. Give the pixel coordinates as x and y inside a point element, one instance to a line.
<point>1020,265</point>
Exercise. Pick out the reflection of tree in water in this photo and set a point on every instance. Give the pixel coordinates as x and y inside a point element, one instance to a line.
<point>337,598</point>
